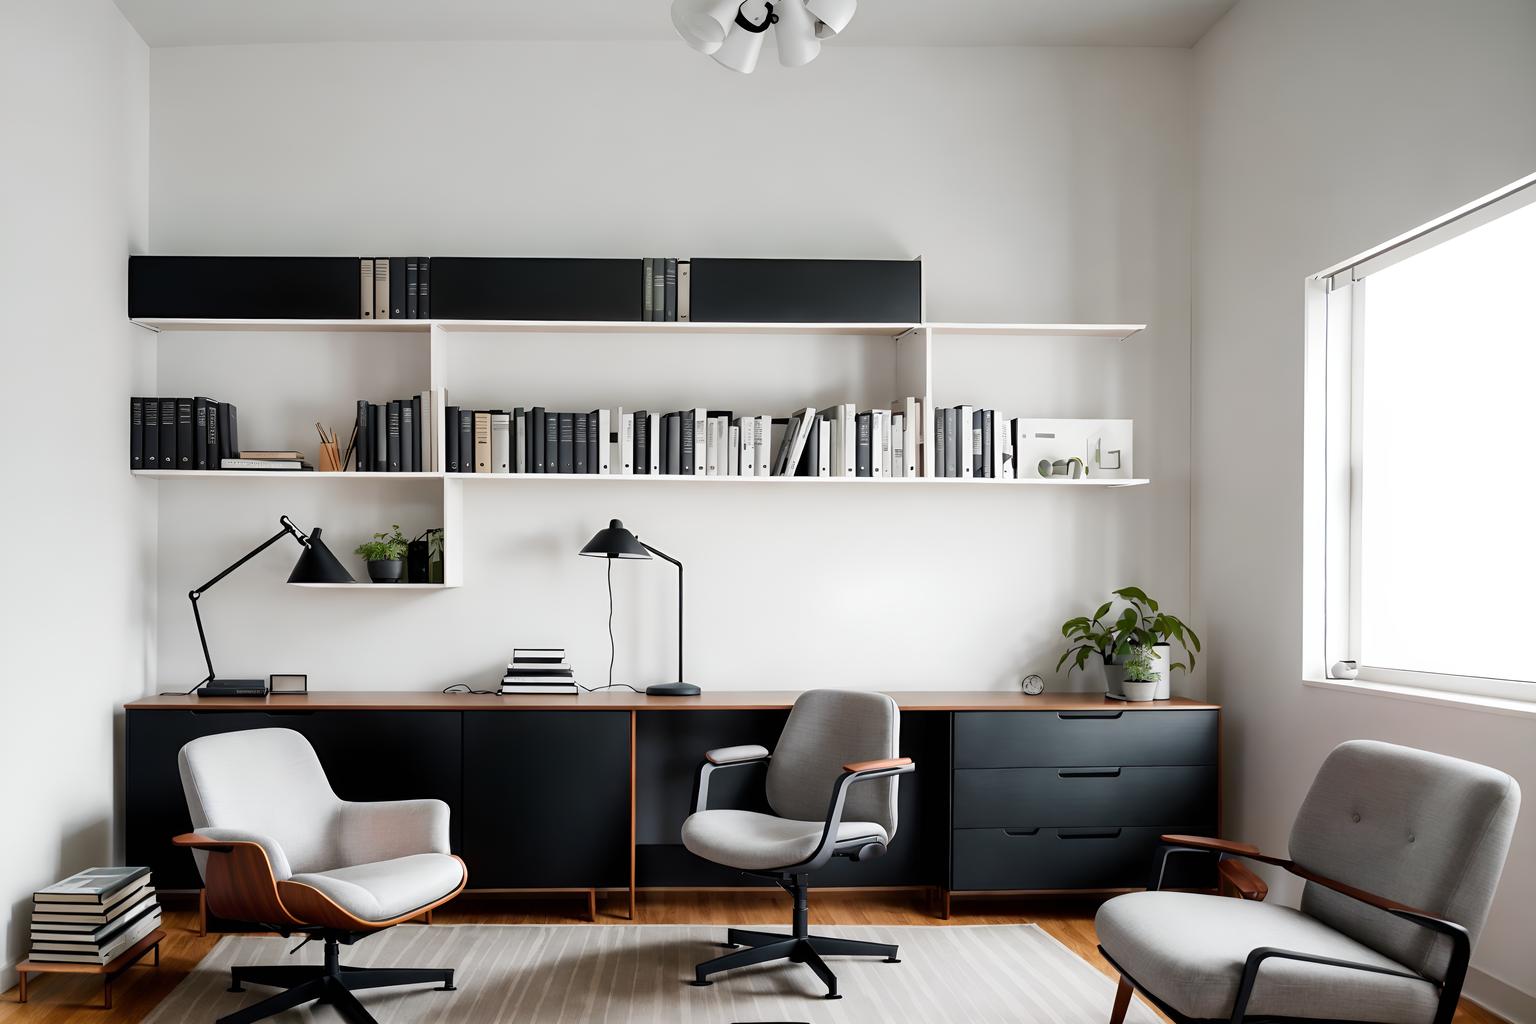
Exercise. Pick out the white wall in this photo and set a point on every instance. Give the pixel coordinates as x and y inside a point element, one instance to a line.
<point>1326,127</point>
<point>75,633</point>
<point>1038,184</point>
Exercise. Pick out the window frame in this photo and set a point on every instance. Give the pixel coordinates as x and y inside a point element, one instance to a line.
<point>1335,304</point>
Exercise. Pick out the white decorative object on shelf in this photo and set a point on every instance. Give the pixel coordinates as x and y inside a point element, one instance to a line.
<point>733,31</point>
<point>1347,669</point>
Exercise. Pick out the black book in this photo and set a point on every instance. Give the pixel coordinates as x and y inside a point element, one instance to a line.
<point>519,439</point>
<point>211,439</point>
<point>674,443</point>
<point>810,456</point>
<point>417,423</point>
<point>594,443</point>
<point>940,463</point>
<point>135,433</point>
<point>669,302</point>
<point>376,453</point>
<point>152,433</point>
<point>199,439</point>
<point>863,426</point>
<point>407,435</point>
<point>360,440</point>
<point>424,290</point>
<point>685,450</point>
<point>642,442</point>
<point>168,434</point>
<point>466,440</point>
<point>392,437</point>
<point>397,274</point>
<point>975,442</point>
<point>579,441</point>
<point>451,438</point>
<point>186,433</point>
<point>567,437</point>
<point>226,451</point>
<point>536,463</point>
<point>985,469</point>
<point>234,431</point>
<point>412,288</point>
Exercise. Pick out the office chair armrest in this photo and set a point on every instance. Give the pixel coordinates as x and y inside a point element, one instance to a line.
<point>386,829</point>
<point>870,766</point>
<point>239,875</point>
<point>737,755</point>
<point>858,771</point>
<point>1244,882</point>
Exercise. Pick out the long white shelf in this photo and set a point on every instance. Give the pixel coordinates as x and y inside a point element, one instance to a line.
<point>377,586</point>
<point>1118,332</point>
<point>643,478</point>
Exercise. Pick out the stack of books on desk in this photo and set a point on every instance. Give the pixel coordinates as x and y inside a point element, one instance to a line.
<point>93,917</point>
<point>541,670</point>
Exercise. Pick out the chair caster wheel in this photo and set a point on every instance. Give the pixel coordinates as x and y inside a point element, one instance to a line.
<point>729,945</point>
<point>449,988</point>
<point>831,995</point>
<point>235,988</point>
<point>701,984</point>
<point>890,960</point>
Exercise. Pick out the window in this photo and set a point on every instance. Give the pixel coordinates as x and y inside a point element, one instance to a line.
<point>1423,473</point>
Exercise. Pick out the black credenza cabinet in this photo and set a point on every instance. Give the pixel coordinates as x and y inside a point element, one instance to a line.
<point>541,799</point>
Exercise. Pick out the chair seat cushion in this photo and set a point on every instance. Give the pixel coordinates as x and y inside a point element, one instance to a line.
<point>1189,950</point>
<point>763,842</point>
<point>387,889</point>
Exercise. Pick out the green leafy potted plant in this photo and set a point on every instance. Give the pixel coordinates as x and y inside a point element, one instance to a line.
<point>385,555</point>
<point>1140,624</point>
<point>1141,676</point>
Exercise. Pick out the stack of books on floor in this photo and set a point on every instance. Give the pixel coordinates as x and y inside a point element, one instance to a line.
<point>539,670</point>
<point>93,917</point>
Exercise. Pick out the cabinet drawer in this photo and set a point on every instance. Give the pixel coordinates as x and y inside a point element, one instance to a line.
<point>1052,739</point>
<point>1009,797</point>
<point>1069,858</point>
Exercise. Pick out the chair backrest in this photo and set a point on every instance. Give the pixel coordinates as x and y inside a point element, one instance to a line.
<point>826,730</point>
<point>1423,829</point>
<point>268,782</point>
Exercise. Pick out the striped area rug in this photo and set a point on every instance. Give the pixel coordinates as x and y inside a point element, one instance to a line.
<point>637,974</point>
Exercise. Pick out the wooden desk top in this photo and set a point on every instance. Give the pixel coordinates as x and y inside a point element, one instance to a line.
<point>623,700</point>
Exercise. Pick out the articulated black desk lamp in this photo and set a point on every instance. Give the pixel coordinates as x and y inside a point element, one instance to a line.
<point>316,564</point>
<point>617,542</point>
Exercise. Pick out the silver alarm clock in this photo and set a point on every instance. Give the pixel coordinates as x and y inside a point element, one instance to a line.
<point>1033,685</point>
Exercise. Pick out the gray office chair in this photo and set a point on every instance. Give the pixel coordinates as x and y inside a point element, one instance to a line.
<point>1401,851</point>
<point>832,787</point>
<point>276,847</point>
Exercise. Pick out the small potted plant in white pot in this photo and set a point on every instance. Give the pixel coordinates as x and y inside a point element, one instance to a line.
<point>1140,624</point>
<point>1141,677</point>
<point>385,555</point>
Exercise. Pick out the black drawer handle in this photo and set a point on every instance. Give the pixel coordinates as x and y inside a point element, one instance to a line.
<point>1017,832</point>
<point>1088,773</point>
<point>1070,715</point>
<point>1088,833</point>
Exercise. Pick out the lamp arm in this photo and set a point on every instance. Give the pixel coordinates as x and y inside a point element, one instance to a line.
<point>288,530</point>
<point>666,557</point>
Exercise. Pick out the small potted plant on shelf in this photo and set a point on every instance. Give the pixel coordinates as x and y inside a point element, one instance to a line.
<point>385,555</point>
<point>1141,677</point>
<point>1141,625</point>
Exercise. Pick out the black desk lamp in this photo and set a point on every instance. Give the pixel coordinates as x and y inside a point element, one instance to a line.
<point>617,542</point>
<point>316,564</point>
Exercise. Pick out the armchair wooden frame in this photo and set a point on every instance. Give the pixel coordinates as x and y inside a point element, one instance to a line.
<point>241,886</point>
<point>1250,886</point>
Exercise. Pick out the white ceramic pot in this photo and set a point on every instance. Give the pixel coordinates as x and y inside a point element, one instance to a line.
<point>1135,689</point>
<point>1162,658</point>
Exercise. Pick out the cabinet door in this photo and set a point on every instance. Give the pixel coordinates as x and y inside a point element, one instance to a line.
<point>367,755</point>
<point>546,796</point>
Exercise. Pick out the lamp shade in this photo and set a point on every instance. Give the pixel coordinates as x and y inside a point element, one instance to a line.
<point>615,541</point>
<point>740,49</point>
<point>317,565</point>
<point>704,23</point>
<point>833,15</point>
<point>795,34</point>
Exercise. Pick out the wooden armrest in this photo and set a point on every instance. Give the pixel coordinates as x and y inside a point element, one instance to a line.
<point>239,880</point>
<point>1217,846</point>
<point>197,842</point>
<point>872,766</point>
<point>1249,886</point>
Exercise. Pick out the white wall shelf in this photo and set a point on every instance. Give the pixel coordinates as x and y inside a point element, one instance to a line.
<point>377,586</point>
<point>1117,332</point>
<point>641,478</point>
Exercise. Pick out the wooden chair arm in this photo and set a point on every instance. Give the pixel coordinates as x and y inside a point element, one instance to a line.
<point>239,880</point>
<point>1217,846</point>
<point>880,765</point>
<point>1248,885</point>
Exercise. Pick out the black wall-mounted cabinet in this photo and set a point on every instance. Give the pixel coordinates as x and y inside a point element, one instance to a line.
<point>528,288</point>
<point>244,287</point>
<point>806,291</point>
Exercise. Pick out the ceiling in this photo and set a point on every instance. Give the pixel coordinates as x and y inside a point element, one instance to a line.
<point>878,23</point>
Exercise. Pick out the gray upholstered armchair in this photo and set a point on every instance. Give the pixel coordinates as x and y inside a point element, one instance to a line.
<point>1400,850</point>
<point>832,786</point>
<point>277,847</point>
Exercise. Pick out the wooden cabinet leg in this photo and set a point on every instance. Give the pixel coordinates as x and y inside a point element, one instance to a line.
<point>106,993</point>
<point>202,913</point>
<point>944,904</point>
<point>592,905</point>
<point>1122,1001</point>
<point>21,991</point>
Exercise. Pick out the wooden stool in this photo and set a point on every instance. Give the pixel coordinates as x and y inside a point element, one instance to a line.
<point>109,970</point>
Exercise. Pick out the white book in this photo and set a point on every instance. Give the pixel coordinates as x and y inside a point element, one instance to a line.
<point>616,441</point>
<point>381,289</point>
<point>898,439</point>
<point>824,451</point>
<point>849,436</point>
<point>366,296</point>
<point>965,442</point>
<point>712,448</point>
<point>910,419</point>
<point>627,445</point>
<point>885,441</point>
<point>762,446</point>
<point>700,441</point>
<point>733,463</point>
<point>878,460</point>
<point>684,291</point>
<point>657,442</point>
<point>800,430</point>
<point>426,433</point>
<point>746,433</point>
<point>501,442</point>
<point>928,464</point>
<point>604,440</point>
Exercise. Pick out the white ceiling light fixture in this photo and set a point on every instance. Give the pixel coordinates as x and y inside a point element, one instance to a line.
<point>732,31</point>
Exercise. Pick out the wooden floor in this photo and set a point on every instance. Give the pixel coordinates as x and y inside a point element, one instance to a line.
<point>65,999</point>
